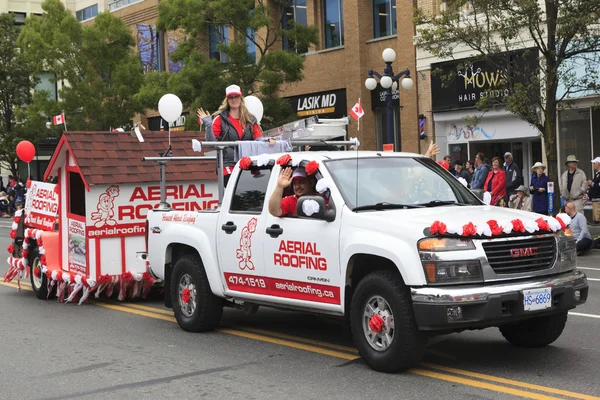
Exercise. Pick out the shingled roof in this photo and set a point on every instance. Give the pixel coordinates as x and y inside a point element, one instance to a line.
<point>105,158</point>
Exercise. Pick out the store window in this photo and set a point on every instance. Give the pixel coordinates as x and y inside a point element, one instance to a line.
<point>217,34</point>
<point>381,123</point>
<point>19,18</point>
<point>294,12</point>
<point>384,18</point>
<point>87,13</point>
<point>333,23</point>
<point>574,137</point>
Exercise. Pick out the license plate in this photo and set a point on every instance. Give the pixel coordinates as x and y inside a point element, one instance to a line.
<point>537,299</point>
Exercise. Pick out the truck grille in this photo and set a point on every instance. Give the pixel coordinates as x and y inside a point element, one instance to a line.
<point>516,256</point>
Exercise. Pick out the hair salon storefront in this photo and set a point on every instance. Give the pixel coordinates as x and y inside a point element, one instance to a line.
<point>496,132</point>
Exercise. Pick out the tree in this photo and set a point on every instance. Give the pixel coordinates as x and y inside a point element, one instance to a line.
<point>97,63</point>
<point>250,25</point>
<point>16,75</point>
<point>564,34</point>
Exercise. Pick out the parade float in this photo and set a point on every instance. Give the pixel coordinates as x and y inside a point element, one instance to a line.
<point>81,234</point>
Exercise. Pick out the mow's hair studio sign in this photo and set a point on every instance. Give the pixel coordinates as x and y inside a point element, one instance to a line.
<point>461,84</point>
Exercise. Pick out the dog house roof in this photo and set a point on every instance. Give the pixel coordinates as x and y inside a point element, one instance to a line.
<point>104,158</point>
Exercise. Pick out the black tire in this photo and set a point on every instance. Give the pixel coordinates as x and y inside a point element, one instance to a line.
<point>208,308</point>
<point>535,332</point>
<point>39,286</point>
<point>407,344</point>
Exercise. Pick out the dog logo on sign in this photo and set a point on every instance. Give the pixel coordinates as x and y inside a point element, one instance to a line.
<point>105,208</point>
<point>244,253</point>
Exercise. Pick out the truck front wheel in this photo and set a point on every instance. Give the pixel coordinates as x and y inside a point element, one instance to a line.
<point>535,332</point>
<point>196,308</point>
<point>383,323</point>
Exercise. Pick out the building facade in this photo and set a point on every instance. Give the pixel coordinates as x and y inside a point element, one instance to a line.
<point>352,36</point>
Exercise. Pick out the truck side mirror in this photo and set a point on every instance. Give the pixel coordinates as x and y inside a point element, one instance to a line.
<point>314,207</point>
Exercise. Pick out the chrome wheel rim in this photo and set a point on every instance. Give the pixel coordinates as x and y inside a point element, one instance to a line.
<point>187,308</point>
<point>378,309</point>
<point>37,282</point>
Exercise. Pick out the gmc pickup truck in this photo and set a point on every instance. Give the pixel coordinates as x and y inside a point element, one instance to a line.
<point>390,241</point>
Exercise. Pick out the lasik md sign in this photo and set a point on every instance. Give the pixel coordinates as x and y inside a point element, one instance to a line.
<point>332,102</point>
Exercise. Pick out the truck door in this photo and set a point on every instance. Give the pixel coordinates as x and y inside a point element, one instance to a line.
<point>302,256</point>
<point>241,223</point>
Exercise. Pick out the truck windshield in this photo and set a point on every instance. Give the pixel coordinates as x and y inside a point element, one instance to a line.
<point>397,182</point>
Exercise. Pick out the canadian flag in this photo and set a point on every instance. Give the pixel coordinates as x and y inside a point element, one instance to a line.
<point>58,119</point>
<point>357,111</point>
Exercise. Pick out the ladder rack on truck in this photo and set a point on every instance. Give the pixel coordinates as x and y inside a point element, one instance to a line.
<point>312,127</point>
<point>219,147</point>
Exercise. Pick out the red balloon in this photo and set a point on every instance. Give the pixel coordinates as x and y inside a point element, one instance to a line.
<point>25,151</point>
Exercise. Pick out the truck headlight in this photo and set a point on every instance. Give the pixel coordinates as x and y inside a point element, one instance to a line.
<point>447,272</point>
<point>445,244</point>
<point>567,250</point>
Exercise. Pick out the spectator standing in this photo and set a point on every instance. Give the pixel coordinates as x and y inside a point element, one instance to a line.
<point>579,228</point>
<point>514,177</point>
<point>594,191</point>
<point>573,183</point>
<point>496,182</point>
<point>470,168</point>
<point>520,200</point>
<point>481,172</point>
<point>539,189</point>
<point>460,172</point>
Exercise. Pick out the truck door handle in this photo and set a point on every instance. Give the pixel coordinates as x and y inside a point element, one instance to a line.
<point>274,231</point>
<point>229,227</point>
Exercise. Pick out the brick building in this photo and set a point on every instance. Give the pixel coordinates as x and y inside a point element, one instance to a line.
<point>353,35</point>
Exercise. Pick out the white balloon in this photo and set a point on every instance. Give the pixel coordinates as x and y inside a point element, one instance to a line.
<point>487,198</point>
<point>170,107</point>
<point>255,107</point>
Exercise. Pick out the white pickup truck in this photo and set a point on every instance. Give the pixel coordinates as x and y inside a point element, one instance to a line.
<point>394,243</point>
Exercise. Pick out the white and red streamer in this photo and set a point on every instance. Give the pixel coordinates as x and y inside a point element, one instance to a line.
<point>68,284</point>
<point>490,228</point>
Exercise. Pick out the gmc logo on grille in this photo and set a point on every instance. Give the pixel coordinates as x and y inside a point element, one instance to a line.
<point>524,252</point>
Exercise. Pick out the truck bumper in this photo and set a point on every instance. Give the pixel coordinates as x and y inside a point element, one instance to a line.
<point>481,306</point>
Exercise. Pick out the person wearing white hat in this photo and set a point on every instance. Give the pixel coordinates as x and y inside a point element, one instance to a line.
<point>231,122</point>
<point>594,191</point>
<point>573,183</point>
<point>539,189</point>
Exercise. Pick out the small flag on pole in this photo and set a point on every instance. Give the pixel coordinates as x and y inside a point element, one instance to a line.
<point>357,111</point>
<point>58,119</point>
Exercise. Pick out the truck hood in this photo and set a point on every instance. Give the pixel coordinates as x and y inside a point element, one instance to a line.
<point>420,218</point>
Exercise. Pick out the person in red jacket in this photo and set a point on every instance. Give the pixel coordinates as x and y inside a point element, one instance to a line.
<point>496,182</point>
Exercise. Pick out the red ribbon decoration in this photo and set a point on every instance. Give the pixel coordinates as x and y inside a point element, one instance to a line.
<point>13,234</point>
<point>10,249</point>
<point>245,163</point>
<point>494,227</point>
<point>518,225</point>
<point>542,224</point>
<point>311,167</point>
<point>562,224</point>
<point>469,229</point>
<point>284,159</point>
<point>37,272</point>
<point>438,228</point>
<point>376,323</point>
<point>185,295</point>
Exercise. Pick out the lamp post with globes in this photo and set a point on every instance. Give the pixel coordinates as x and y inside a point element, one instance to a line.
<point>389,82</point>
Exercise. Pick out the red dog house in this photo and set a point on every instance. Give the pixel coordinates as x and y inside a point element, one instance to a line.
<point>104,192</point>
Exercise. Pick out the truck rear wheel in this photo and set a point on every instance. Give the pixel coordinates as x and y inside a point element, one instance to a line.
<point>39,284</point>
<point>196,308</point>
<point>383,324</point>
<point>535,332</point>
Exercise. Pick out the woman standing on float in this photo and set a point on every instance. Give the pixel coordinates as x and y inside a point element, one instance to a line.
<point>231,122</point>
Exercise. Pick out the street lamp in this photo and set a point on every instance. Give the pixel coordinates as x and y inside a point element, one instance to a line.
<point>389,82</point>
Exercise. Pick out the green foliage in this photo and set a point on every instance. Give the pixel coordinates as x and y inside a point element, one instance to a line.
<point>97,62</point>
<point>18,80</point>
<point>565,34</point>
<point>202,82</point>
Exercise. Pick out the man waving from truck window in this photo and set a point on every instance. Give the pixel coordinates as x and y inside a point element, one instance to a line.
<point>303,186</point>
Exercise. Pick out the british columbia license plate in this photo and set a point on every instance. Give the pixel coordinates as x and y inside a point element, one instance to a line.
<point>537,299</point>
